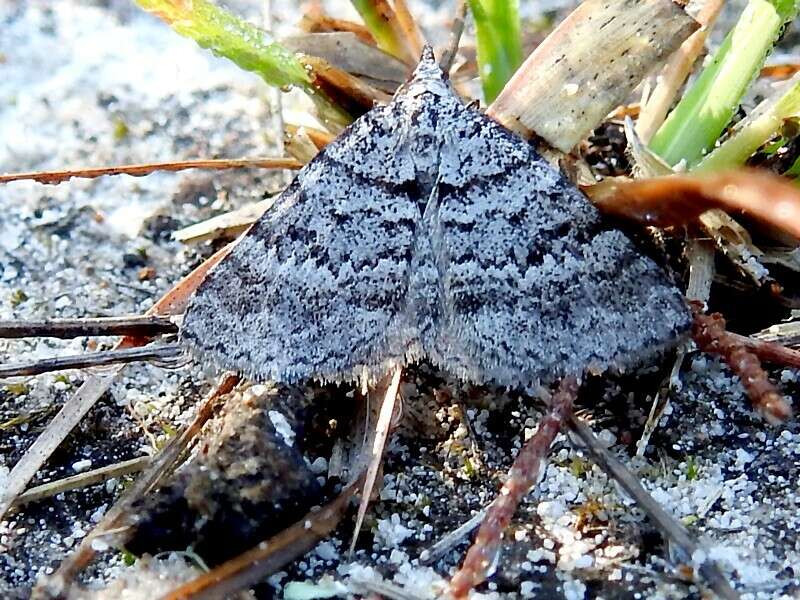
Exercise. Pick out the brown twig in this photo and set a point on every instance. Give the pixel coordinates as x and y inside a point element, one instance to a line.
<point>770,352</point>
<point>522,476</point>
<point>53,177</point>
<point>57,585</point>
<point>269,556</point>
<point>710,336</point>
<point>669,526</point>
<point>137,326</point>
<point>94,359</point>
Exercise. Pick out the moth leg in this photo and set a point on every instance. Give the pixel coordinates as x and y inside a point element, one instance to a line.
<point>521,477</point>
<point>710,335</point>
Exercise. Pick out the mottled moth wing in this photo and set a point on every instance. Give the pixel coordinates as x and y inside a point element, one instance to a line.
<point>535,286</point>
<point>428,230</point>
<point>320,286</point>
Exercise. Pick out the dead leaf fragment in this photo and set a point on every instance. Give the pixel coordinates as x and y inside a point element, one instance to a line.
<point>679,199</point>
<point>348,52</point>
<point>588,66</point>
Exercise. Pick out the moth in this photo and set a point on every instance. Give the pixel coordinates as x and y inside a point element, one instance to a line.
<point>429,231</point>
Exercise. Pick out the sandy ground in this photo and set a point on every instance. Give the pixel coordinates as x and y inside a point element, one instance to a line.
<point>95,84</point>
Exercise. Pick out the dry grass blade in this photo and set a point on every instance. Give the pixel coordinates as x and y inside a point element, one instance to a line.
<point>787,333</point>
<point>93,359</point>
<point>304,143</point>
<point>316,21</point>
<point>451,539</point>
<point>55,432</point>
<point>218,164</point>
<point>680,199</point>
<point>348,91</point>
<point>57,585</point>
<point>139,326</point>
<point>700,256</point>
<point>377,589</point>
<point>674,531</point>
<point>381,434</point>
<point>737,245</point>
<point>227,225</point>
<point>300,145</point>
<point>318,137</point>
<point>346,51</point>
<point>172,303</point>
<point>645,162</point>
<point>583,70</point>
<point>83,480</point>
<point>268,556</point>
<point>675,72</point>
<point>409,27</point>
<point>780,71</point>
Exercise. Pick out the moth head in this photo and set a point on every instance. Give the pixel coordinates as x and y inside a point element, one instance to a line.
<point>427,77</point>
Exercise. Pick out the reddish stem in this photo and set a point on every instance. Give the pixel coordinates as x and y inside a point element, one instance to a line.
<point>710,335</point>
<point>521,478</point>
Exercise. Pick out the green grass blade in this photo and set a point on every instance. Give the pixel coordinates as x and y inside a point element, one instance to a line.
<point>794,170</point>
<point>755,131</point>
<point>499,43</point>
<point>246,45</point>
<point>701,116</point>
<point>233,38</point>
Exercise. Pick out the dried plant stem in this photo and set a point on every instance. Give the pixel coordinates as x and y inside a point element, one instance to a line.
<point>700,255</point>
<point>83,480</point>
<point>316,21</point>
<point>668,525</point>
<point>446,62</point>
<point>522,476</point>
<point>584,70</point>
<point>409,27</point>
<point>147,168</point>
<point>137,326</point>
<point>710,335</point>
<point>381,434</point>
<point>94,359</point>
<point>57,585</point>
<point>767,351</point>
<point>787,333</point>
<point>675,73</point>
<point>444,545</point>
<point>270,555</point>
